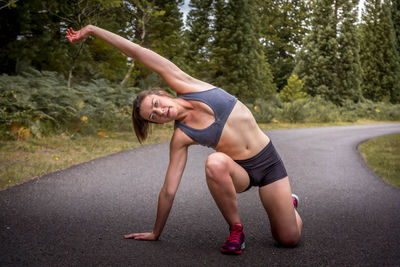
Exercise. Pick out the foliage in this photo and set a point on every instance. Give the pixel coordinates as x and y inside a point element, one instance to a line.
<point>379,57</point>
<point>318,110</point>
<point>395,10</point>
<point>33,35</point>
<point>348,65</point>
<point>328,61</point>
<point>293,90</point>
<point>237,54</point>
<point>199,34</point>
<point>246,47</point>
<point>285,24</point>
<point>41,104</point>
<point>265,111</point>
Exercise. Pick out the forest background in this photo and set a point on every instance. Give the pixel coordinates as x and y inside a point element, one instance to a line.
<point>288,60</point>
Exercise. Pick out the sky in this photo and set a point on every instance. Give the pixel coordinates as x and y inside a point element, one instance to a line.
<point>185,9</point>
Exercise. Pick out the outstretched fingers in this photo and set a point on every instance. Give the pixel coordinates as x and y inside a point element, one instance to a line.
<point>70,35</point>
<point>74,36</point>
<point>130,236</point>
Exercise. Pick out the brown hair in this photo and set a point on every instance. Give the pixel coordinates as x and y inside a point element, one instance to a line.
<point>140,124</point>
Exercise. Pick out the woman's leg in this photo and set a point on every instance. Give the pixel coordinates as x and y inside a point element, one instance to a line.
<point>286,223</point>
<point>224,179</point>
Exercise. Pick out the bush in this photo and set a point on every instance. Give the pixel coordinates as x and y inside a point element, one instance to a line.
<point>265,111</point>
<point>40,103</point>
<point>294,111</point>
<point>318,110</point>
<point>293,90</point>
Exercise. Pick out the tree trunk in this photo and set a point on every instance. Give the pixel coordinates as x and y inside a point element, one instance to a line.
<point>73,66</point>
<point>142,36</point>
<point>128,74</point>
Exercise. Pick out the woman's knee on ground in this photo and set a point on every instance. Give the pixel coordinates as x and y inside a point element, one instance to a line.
<point>217,166</point>
<point>287,237</point>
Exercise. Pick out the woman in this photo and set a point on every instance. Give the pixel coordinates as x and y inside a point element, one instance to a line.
<point>207,115</point>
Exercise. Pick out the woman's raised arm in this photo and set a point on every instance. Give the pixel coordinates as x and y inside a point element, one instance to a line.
<point>178,80</point>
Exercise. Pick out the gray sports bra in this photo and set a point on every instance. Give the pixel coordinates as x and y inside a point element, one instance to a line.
<point>221,103</point>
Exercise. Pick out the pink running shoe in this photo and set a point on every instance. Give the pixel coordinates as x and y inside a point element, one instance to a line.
<point>235,242</point>
<point>295,199</point>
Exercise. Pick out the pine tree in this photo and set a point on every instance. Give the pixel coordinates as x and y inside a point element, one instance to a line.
<point>328,62</point>
<point>237,54</point>
<point>317,60</point>
<point>396,21</point>
<point>156,25</point>
<point>284,26</point>
<point>349,70</point>
<point>379,56</point>
<point>293,90</point>
<point>167,38</point>
<point>166,32</point>
<point>199,22</point>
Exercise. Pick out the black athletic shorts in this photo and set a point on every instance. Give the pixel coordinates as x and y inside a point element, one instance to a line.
<point>264,168</point>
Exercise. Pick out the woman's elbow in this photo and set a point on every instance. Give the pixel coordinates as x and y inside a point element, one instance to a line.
<point>168,193</point>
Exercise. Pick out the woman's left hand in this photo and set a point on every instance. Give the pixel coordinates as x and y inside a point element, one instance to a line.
<point>78,36</point>
<point>142,236</point>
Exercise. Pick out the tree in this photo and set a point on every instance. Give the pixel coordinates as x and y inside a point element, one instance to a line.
<point>141,14</point>
<point>293,90</point>
<point>317,59</point>
<point>348,66</point>
<point>396,21</point>
<point>78,14</point>
<point>379,56</point>
<point>34,36</point>
<point>156,25</point>
<point>284,26</point>
<point>237,54</point>
<point>328,62</point>
<point>199,37</point>
<point>166,33</point>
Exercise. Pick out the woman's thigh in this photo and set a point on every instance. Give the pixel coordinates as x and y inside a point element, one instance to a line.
<point>277,201</point>
<point>220,165</point>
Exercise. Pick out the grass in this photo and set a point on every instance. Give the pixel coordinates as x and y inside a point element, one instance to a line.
<point>23,160</point>
<point>382,155</point>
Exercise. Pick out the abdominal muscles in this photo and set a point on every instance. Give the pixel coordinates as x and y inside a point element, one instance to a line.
<point>241,137</point>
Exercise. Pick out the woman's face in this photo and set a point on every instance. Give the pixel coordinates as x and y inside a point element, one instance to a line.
<point>158,109</point>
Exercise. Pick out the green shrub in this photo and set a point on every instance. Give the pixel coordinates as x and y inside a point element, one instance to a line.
<point>41,103</point>
<point>348,111</point>
<point>265,111</point>
<point>293,90</point>
<point>294,111</point>
<point>378,111</point>
<point>320,110</point>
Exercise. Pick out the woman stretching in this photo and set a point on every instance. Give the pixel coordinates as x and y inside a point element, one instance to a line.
<point>209,116</point>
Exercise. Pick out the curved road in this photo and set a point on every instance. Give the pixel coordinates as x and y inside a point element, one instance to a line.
<point>78,216</point>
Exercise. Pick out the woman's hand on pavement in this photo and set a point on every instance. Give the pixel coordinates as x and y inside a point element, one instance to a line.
<point>142,236</point>
<point>78,36</point>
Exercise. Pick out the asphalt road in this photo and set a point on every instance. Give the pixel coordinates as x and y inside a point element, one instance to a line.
<point>78,216</point>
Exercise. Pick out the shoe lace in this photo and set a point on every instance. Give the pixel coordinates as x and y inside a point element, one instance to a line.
<point>234,237</point>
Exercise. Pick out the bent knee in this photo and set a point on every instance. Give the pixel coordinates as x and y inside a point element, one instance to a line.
<point>288,239</point>
<point>217,164</point>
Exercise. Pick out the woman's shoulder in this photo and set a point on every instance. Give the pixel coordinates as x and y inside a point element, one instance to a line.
<point>193,85</point>
<point>179,139</point>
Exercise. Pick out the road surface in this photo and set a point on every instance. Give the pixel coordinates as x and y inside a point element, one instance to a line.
<point>78,216</point>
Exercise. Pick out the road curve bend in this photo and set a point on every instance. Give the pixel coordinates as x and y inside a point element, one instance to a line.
<point>78,216</point>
